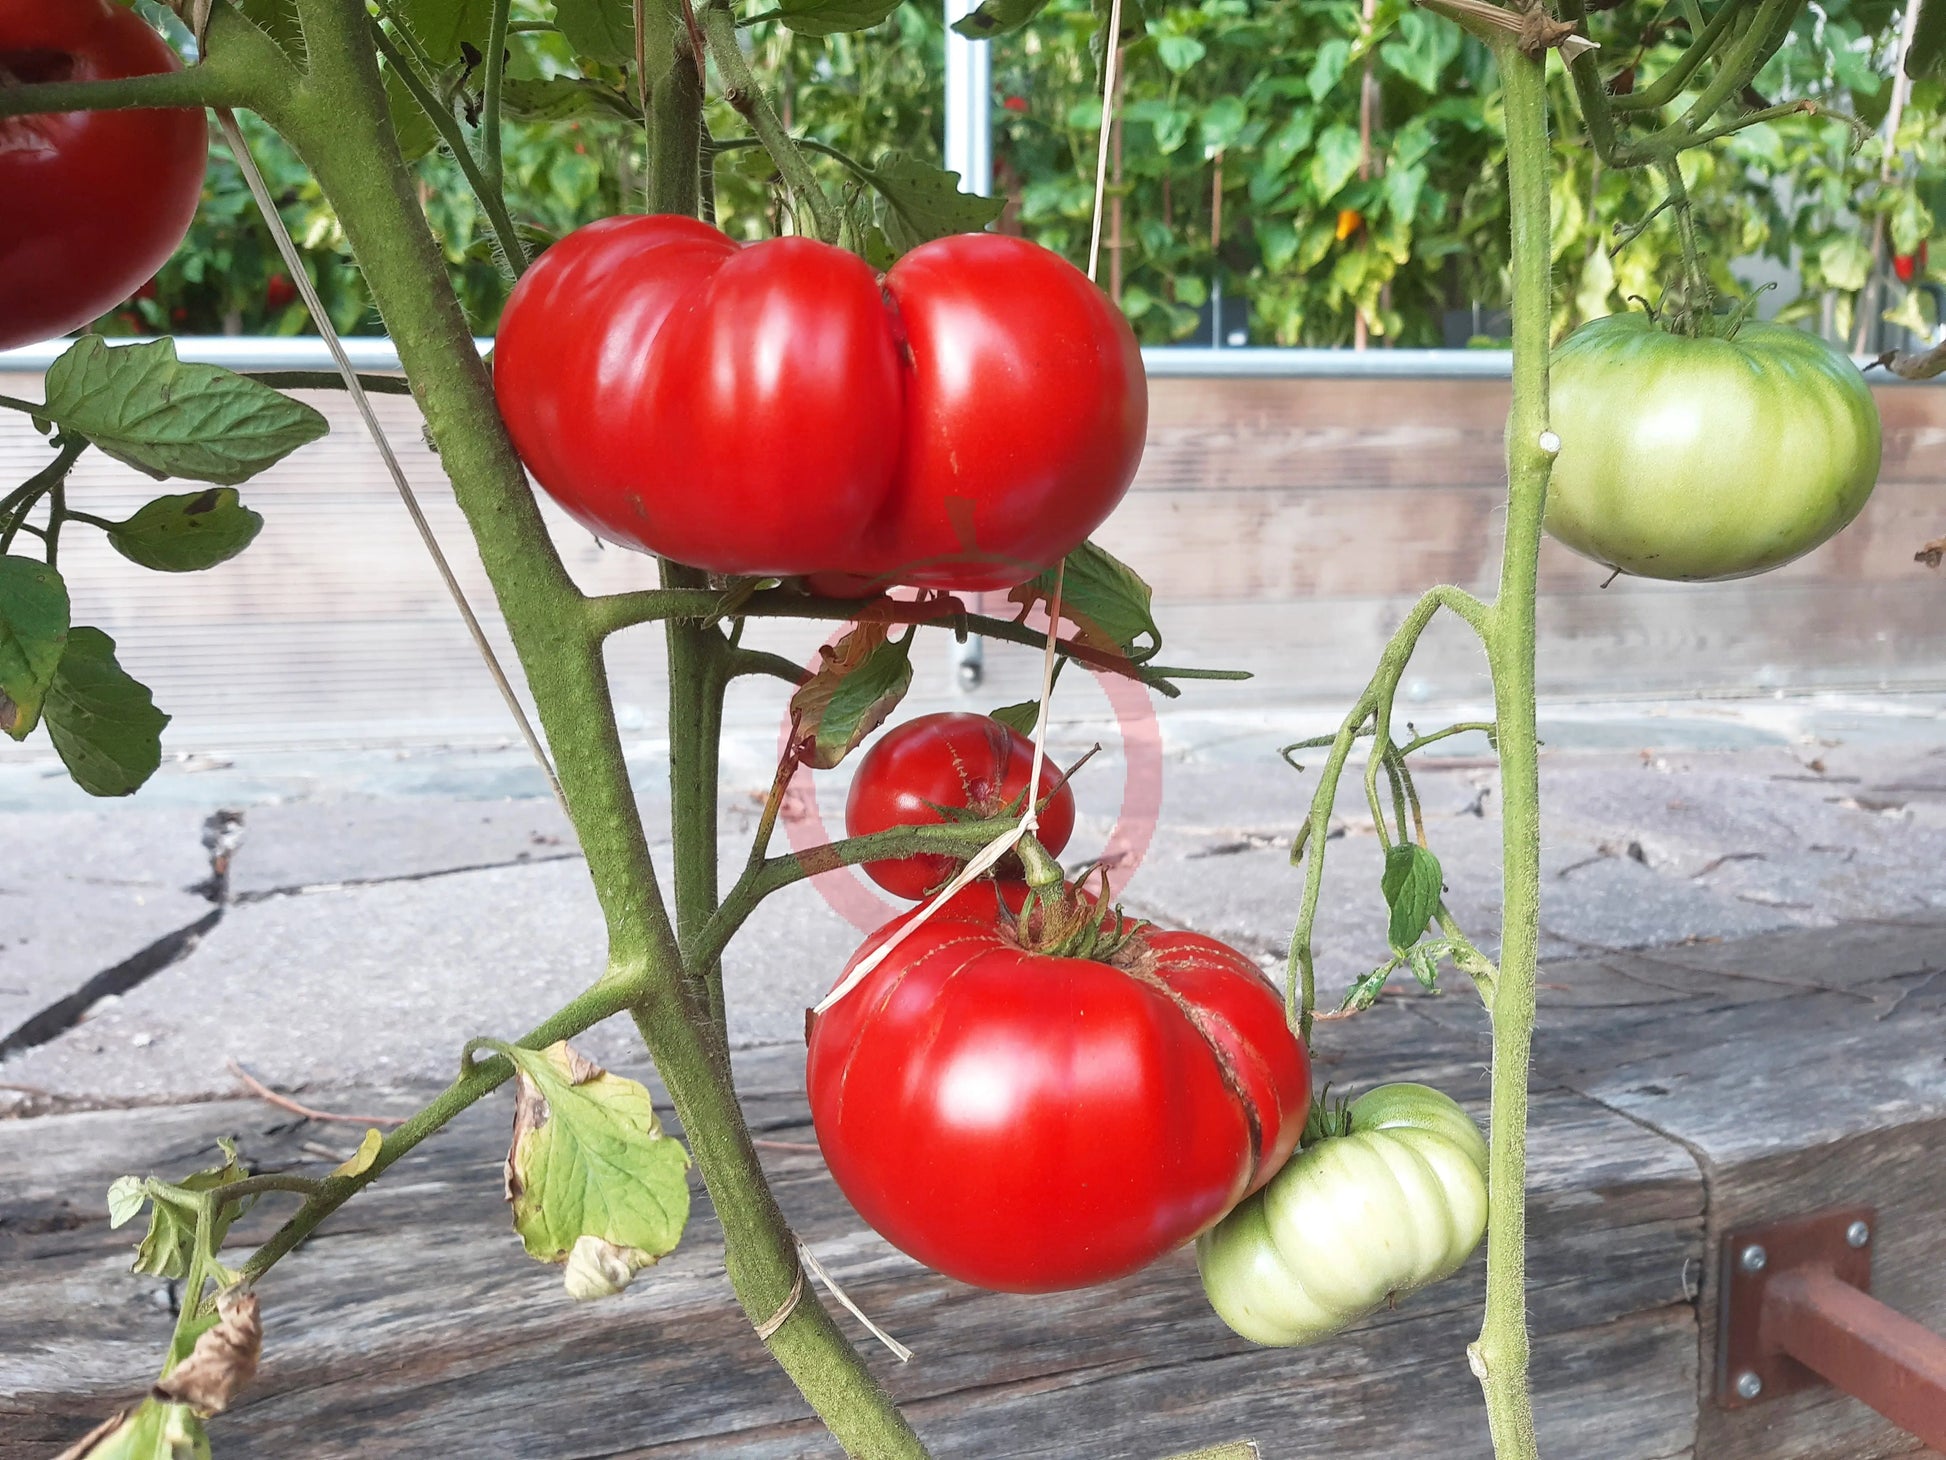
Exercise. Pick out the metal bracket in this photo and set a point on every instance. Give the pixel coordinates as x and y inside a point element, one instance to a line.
<point>1797,1311</point>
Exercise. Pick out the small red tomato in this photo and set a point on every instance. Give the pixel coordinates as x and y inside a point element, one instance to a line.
<point>91,203</point>
<point>1016,104</point>
<point>1909,266</point>
<point>279,292</point>
<point>950,767</point>
<point>1031,1121</point>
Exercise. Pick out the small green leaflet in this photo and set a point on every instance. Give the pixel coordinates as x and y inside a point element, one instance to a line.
<point>998,18</point>
<point>563,99</point>
<point>442,25</point>
<point>1412,885</point>
<point>188,533</point>
<point>33,635</point>
<point>857,684</point>
<point>103,722</point>
<point>603,30</point>
<point>151,1431</point>
<point>125,1200</point>
<point>833,17</point>
<point>143,406</point>
<point>1104,598</point>
<point>589,1160</point>
<point>923,202</point>
<point>1021,717</point>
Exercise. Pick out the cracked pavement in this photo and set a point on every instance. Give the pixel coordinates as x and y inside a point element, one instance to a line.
<point>359,936</point>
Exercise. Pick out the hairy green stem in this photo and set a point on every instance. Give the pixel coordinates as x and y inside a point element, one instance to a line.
<point>1499,1356</point>
<point>676,132</point>
<point>241,68</point>
<point>698,676</point>
<point>1695,280</point>
<point>506,238</point>
<point>1669,85</point>
<point>22,499</point>
<point>741,90</point>
<point>496,70</point>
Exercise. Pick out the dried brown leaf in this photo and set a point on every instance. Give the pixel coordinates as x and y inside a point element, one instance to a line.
<point>1932,554</point>
<point>223,1362</point>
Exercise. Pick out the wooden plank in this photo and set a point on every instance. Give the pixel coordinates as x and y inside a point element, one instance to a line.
<point>399,1347</point>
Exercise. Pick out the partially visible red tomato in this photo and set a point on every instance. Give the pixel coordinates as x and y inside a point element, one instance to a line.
<point>1909,266</point>
<point>279,292</point>
<point>1030,1122</point>
<point>93,202</point>
<point>922,772</point>
<point>777,408</point>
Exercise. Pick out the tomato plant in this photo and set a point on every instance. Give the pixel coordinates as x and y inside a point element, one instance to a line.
<point>1707,456</point>
<point>1056,1100</point>
<point>1391,1199</point>
<point>776,407</point>
<point>95,201</point>
<point>950,767</point>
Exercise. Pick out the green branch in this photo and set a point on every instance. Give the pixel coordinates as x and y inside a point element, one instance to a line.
<point>741,90</point>
<point>241,68</point>
<point>496,70</point>
<point>1669,85</point>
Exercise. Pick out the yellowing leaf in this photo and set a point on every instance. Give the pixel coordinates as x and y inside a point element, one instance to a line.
<point>589,1159</point>
<point>361,1159</point>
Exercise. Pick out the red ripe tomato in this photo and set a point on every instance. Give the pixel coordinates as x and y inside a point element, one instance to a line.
<point>923,771</point>
<point>1910,265</point>
<point>1030,1121</point>
<point>279,292</point>
<point>778,408</point>
<point>95,202</point>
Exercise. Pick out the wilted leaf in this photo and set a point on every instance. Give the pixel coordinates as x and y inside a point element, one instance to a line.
<point>33,637</point>
<point>923,202</point>
<point>143,406</point>
<point>172,1230</point>
<point>223,1362</point>
<point>103,722</point>
<point>187,533</point>
<point>1412,886</point>
<point>600,1269</point>
<point>125,1200</point>
<point>857,684</point>
<point>151,1431</point>
<point>1916,364</point>
<point>1932,554</point>
<point>1365,991</point>
<point>589,1159</point>
<point>1105,600</point>
<point>832,17</point>
<point>362,1158</point>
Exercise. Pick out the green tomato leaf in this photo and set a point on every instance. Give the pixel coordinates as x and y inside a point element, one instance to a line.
<point>143,406</point>
<point>1020,718</point>
<point>1327,66</point>
<point>103,722</point>
<point>171,1236</point>
<point>923,202</point>
<point>589,1160</point>
<point>601,29</point>
<point>1424,962</point>
<point>857,684</point>
<point>1845,262</point>
<point>33,636</point>
<point>1179,53</point>
<point>998,18</point>
<point>1412,886</point>
<point>442,25</point>
<point>151,1431</point>
<point>188,533</point>
<point>1335,162</point>
<point>1105,599</point>
<point>564,99</point>
<point>834,17</point>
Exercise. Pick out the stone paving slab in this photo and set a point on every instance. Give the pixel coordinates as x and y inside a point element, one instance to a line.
<point>82,892</point>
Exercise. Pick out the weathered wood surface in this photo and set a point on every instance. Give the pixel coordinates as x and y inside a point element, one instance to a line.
<point>1285,524</point>
<point>1679,1091</point>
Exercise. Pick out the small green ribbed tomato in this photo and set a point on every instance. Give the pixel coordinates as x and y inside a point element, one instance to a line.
<point>1394,1200</point>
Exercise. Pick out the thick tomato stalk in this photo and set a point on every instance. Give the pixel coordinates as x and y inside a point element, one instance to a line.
<point>1038,1103</point>
<point>778,408</point>
<point>957,767</point>
<point>91,203</point>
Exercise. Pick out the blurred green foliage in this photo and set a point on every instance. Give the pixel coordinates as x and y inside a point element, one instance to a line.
<point>1250,107</point>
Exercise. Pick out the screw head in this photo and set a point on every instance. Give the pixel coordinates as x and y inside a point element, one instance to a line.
<point>1749,1386</point>
<point>1858,1234</point>
<point>1752,1259</point>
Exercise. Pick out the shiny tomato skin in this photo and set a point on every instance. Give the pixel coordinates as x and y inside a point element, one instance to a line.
<point>94,202</point>
<point>1026,416</point>
<point>1699,459</point>
<point>772,409</point>
<point>951,761</point>
<point>660,381</point>
<point>1031,1123</point>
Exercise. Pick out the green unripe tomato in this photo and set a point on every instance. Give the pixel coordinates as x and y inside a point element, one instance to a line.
<point>1701,458</point>
<point>1352,1220</point>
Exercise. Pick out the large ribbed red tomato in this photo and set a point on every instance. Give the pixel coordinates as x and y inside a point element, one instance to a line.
<point>1027,1121</point>
<point>777,407</point>
<point>921,772</point>
<point>91,203</point>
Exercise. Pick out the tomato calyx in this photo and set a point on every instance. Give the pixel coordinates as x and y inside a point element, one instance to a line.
<point>1328,1119</point>
<point>1677,315</point>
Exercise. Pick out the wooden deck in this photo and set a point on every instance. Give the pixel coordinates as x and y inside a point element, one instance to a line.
<point>1285,524</point>
<point>1678,1092</point>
